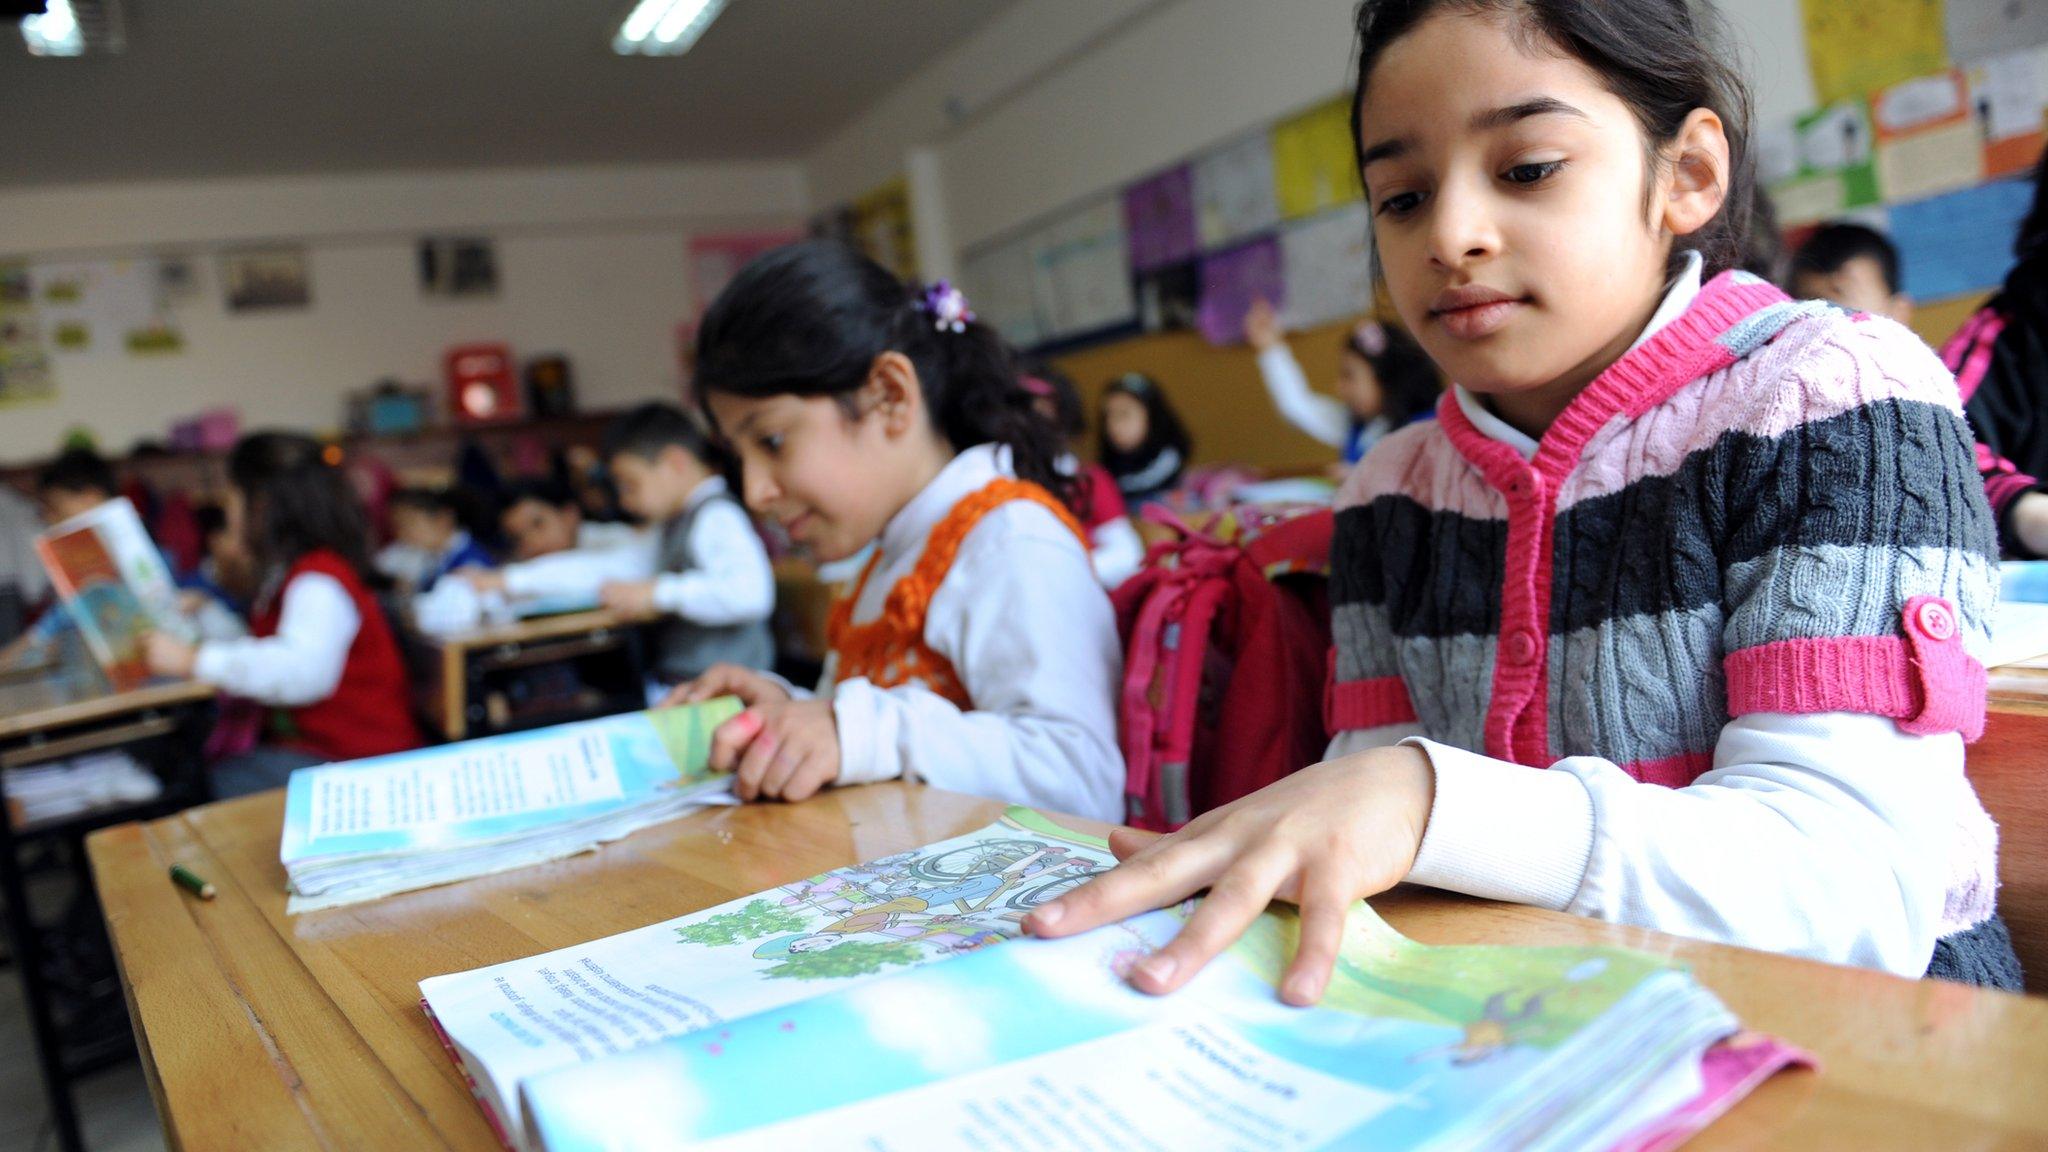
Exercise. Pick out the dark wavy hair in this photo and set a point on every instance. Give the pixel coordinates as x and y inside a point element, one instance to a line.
<point>1662,58</point>
<point>1163,427</point>
<point>809,319</point>
<point>298,500</point>
<point>1408,378</point>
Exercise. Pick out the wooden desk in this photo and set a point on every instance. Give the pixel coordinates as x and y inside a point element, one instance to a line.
<point>260,1031</point>
<point>2021,686</point>
<point>467,660</point>
<point>68,712</point>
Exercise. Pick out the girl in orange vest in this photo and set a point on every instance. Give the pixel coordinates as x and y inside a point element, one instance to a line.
<point>977,651</point>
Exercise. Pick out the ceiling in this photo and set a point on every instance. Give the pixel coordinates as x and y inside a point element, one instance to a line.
<point>260,87</point>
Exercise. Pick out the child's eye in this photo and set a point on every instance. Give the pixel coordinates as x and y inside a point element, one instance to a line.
<point>1533,173</point>
<point>771,444</point>
<point>1400,204</point>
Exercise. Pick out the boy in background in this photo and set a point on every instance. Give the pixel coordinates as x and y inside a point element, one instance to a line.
<point>1858,267</point>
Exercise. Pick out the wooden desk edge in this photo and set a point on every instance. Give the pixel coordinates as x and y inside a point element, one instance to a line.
<point>100,707</point>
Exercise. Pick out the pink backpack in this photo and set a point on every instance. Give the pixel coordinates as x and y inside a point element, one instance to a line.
<point>1226,632</point>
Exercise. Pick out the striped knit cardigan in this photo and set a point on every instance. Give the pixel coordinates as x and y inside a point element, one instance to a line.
<point>1768,506</point>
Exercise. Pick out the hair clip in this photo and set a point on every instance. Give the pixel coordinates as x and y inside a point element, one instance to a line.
<point>1370,337</point>
<point>947,307</point>
<point>1036,387</point>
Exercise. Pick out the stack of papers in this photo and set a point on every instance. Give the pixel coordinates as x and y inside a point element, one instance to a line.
<point>886,1005</point>
<point>76,785</point>
<point>370,828</point>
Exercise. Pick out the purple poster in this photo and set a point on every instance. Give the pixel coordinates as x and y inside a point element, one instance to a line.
<point>1159,218</point>
<point>1232,279</point>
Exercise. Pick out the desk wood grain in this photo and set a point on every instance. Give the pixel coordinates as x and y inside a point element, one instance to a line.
<point>262,1030</point>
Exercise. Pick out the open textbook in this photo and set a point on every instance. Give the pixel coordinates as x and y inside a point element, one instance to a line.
<point>814,1015</point>
<point>369,828</point>
<point>114,585</point>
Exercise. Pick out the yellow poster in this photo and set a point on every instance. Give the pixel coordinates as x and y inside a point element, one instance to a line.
<point>1857,47</point>
<point>881,228</point>
<point>1314,166</point>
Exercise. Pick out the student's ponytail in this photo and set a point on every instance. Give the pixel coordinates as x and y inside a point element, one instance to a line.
<point>973,389</point>
<point>808,319</point>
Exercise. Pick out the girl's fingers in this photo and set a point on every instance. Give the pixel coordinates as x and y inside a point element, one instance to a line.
<point>731,739</point>
<point>1232,904</point>
<point>1324,905</point>
<point>810,778</point>
<point>754,765</point>
<point>782,768</point>
<point>1127,842</point>
<point>1165,871</point>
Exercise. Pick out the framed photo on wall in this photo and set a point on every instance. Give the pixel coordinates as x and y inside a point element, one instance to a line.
<point>260,279</point>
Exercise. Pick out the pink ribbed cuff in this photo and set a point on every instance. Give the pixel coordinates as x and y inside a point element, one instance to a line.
<point>1925,682</point>
<point>1350,704</point>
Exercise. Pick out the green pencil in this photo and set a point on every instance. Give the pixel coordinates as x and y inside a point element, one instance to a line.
<point>192,882</point>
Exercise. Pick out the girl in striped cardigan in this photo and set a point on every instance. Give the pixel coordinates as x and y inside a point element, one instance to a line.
<point>1718,561</point>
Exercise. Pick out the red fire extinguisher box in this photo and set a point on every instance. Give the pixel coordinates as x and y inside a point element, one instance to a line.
<point>483,387</point>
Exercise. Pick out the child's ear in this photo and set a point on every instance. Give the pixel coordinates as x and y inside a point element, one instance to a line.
<point>893,394</point>
<point>1698,173</point>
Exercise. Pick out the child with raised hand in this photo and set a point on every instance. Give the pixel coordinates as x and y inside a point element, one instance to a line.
<point>1384,381</point>
<point>1718,560</point>
<point>320,651</point>
<point>1143,442</point>
<point>976,651</point>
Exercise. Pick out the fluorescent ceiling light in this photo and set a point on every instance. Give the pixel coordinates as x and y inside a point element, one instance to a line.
<point>55,32</point>
<point>664,27</point>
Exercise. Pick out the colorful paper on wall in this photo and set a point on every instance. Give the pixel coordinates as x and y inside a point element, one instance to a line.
<point>1927,140</point>
<point>25,372</point>
<point>1836,168</point>
<point>1960,242</point>
<point>2009,96</point>
<point>881,228</point>
<point>998,286</point>
<point>1314,164</point>
<point>1858,47</point>
<point>1080,282</point>
<point>1978,29</point>
<point>1326,261</point>
<point>1159,216</point>
<point>1232,280</point>
<point>1234,191</point>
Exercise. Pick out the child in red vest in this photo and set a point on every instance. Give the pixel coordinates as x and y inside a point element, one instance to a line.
<point>320,653</point>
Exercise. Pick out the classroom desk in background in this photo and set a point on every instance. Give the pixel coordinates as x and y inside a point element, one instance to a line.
<point>263,1031</point>
<point>478,674</point>
<point>74,1016</point>
<point>2021,686</point>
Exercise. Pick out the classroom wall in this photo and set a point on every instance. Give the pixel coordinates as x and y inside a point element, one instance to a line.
<point>591,263</point>
<point>1070,99</point>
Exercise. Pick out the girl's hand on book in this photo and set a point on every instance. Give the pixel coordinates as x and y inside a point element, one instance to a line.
<point>779,751</point>
<point>168,655</point>
<point>1322,838</point>
<point>728,680</point>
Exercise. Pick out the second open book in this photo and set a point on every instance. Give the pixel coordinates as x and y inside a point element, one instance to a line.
<point>886,1006</point>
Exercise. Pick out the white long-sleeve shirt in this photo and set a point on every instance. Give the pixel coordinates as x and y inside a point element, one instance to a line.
<point>1827,836</point>
<point>1030,633</point>
<point>1323,417</point>
<point>733,583</point>
<point>302,663</point>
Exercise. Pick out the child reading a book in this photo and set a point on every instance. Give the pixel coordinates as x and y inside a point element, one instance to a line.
<point>428,540</point>
<point>542,518</point>
<point>1143,442</point>
<point>1113,543</point>
<point>1720,561</point>
<point>976,651</point>
<point>320,652</point>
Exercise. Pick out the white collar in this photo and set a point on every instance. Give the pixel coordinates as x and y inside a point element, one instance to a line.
<point>968,472</point>
<point>1685,287</point>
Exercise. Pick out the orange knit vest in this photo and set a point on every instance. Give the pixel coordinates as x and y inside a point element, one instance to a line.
<point>890,649</point>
